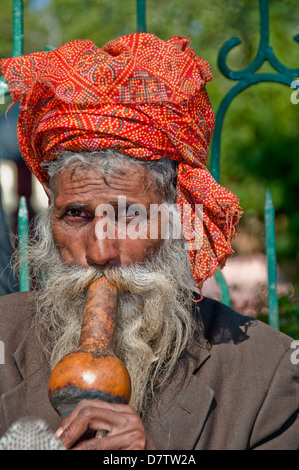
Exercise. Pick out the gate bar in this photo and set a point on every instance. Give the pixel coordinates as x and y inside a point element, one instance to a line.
<point>271,258</point>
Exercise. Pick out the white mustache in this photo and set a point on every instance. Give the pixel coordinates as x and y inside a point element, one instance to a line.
<point>154,321</point>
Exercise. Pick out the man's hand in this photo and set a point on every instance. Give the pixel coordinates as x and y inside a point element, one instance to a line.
<point>124,428</point>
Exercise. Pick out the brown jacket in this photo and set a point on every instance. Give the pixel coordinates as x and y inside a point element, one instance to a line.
<point>239,389</point>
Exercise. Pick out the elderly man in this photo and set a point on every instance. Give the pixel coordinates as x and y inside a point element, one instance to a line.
<point>119,138</point>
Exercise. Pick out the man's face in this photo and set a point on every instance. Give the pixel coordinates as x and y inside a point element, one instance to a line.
<point>80,207</point>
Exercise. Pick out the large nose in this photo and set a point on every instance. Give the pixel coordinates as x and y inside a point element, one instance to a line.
<point>101,249</point>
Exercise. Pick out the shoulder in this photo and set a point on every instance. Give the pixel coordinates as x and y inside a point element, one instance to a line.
<point>250,370</point>
<point>224,326</point>
<point>16,312</point>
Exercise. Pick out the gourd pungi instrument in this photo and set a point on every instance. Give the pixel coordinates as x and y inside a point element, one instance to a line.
<point>92,370</point>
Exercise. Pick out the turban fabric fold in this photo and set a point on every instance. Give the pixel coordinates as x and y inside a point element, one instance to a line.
<point>140,96</point>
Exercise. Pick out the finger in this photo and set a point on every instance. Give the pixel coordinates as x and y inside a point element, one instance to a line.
<point>95,417</point>
<point>105,404</point>
<point>119,408</point>
<point>123,441</point>
<point>75,428</point>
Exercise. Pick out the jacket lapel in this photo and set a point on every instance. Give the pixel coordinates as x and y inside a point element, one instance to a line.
<point>34,372</point>
<point>183,408</point>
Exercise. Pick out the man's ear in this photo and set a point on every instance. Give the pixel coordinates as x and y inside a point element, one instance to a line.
<point>48,191</point>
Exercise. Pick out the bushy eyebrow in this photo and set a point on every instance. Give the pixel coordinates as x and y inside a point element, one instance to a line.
<point>71,205</point>
<point>114,203</point>
<point>126,204</point>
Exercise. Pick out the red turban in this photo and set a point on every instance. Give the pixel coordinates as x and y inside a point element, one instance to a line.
<point>141,96</point>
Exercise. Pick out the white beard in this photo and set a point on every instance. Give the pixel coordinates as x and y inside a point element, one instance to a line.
<point>154,322</point>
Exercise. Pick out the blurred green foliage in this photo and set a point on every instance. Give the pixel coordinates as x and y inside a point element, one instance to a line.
<point>260,145</point>
<point>288,316</point>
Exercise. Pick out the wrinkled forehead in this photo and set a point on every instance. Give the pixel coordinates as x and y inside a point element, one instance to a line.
<point>92,179</point>
<point>114,170</point>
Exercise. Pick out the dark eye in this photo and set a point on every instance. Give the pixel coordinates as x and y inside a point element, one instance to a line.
<point>75,212</point>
